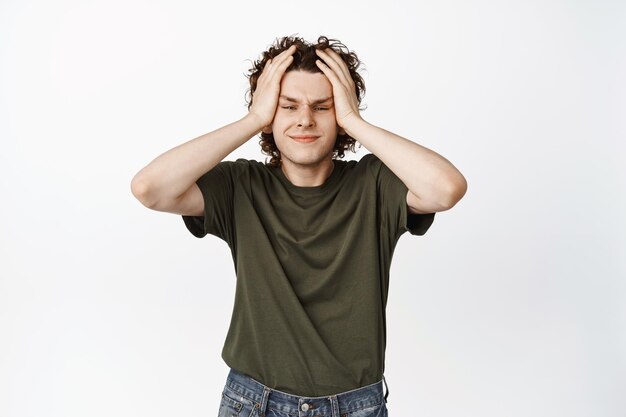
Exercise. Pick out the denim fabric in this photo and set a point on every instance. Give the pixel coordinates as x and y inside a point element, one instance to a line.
<point>246,397</point>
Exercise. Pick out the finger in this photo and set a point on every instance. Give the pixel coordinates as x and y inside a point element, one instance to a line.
<point>329,73</point>
<point>280,62</point>
<point>339,87</point>
<point>264,70</point>
<point>269,80</point>
<point>334,61</point>
<point>283,56</point>
<point>269,72</point>
<point>276,72</point>
<point>286,59</point>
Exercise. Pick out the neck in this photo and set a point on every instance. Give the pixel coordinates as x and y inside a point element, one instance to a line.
<point>308,175</point>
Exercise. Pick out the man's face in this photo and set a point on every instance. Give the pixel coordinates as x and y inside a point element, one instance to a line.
<point>304,126</point>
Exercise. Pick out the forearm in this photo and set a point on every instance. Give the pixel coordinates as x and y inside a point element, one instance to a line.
<point>427,175</point>
<point>170,174</point>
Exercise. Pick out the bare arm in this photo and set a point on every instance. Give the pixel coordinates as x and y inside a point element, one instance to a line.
<point>168,182</point>
<point>162,184</point>
<point>433,183</point>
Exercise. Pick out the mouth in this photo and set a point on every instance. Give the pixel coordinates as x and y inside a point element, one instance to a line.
<point>304,138</point>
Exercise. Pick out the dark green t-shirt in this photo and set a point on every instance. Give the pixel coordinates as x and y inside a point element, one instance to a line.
<point>312,267</point>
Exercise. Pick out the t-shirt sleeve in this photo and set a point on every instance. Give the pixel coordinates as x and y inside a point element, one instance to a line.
<point>217,187</point>
<point>392,201</point>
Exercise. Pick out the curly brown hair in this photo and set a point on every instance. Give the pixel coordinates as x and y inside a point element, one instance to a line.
<point>304,60</point>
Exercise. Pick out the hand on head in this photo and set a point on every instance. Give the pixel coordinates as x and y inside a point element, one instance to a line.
<point>344,89</point>
<point>265,97</point>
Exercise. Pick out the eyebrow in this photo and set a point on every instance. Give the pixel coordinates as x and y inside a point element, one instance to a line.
<point>293,100</point>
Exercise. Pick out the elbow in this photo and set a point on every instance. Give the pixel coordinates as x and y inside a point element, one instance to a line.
<point>141,191</point>
<point>452,192</point>
<point>442,197</point>
<point>457,188</point>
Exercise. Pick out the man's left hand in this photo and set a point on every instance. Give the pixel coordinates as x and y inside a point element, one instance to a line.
<point>344,90</point>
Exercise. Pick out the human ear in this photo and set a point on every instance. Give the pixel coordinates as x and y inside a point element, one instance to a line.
<point>341,131</point>
<point>267,129</point>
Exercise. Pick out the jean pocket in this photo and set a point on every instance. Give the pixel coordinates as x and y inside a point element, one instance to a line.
<point>379,410</point>
<point>234,405</point>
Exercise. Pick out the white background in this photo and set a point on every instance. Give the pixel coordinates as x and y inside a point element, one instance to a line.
<point>513,304</point>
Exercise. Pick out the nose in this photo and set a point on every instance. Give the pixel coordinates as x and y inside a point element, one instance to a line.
<point>305,117</point>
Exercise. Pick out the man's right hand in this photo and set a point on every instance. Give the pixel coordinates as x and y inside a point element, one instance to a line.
<point>168,182</point>
<point>265,96</point>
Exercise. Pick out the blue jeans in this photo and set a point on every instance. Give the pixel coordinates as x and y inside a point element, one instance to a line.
<point>247,397</point>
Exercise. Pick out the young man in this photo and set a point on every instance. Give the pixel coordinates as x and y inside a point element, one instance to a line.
<point>311,235</point>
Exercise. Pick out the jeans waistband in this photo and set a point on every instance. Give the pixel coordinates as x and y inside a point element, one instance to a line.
<point>331,405</point>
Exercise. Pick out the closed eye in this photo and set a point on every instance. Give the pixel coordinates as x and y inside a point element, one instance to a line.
<point>316,108</point>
